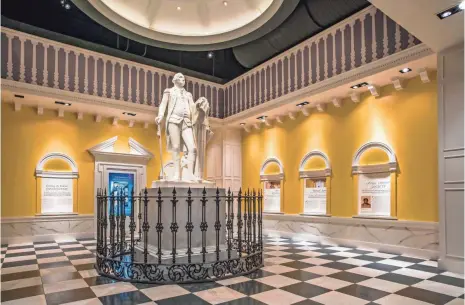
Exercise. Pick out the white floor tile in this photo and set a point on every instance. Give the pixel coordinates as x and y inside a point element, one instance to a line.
<point>337,298</point>
<point>19,258</point>
<point>277,253</point>
<point>277,281</point>
<point>315,261</point>
<point>382,285</point>
<point>311,253</point>
<point>93,301</point>
<point>429,263</point>
<point>329,283</point>
<point>451,274</point>
<point>64,285</point>
<point>277,248</point>
<point>393,262</point>
<point>18,269</point>
<point>367,271</point>
<point>382,255</point>
<point>234,280</point>
<point>414,273</point>
<point>14,251</point>
<point>49,251</point>
<point>277,260</point>
<point>456,302</point>
<point>394,299</point>
<point>321,270</point>
<point>116,288</point>
<point>219,295</point>
<point>354,261</point>
<point>339,248</point>
<point>277,297</point>
<point>346,254</point>
<point>440,288</point>
<point>277,269</point>
<point>35,300</point>
<point>27,282</point>
<point>65,269</point>
<point>88,273</point>
<point>52,259</point>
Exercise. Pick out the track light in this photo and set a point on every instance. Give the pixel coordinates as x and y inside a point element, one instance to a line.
<point>451,11</point>
<point>364,84</point>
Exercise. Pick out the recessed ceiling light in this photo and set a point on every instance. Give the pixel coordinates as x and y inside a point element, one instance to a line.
<point>225,3</point>
<point>405,70</point>
<point>302,104</point>
<point>262,118</point>
<point>210,55</point>
<point>451,11</point>
<point>19,96</point>
<point>129,113</point>
<point>364,84</point>
<point>242,124</point>
<point>178,8</point>
<point>62,103</point>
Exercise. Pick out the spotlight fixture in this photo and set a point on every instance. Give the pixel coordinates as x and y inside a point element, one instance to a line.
<point>129,113</point>
<point>178,8</point>
<point>19,96</point>
<point>242,124</point>
<point>62,103</point>
<point>364,84</point>
<point>225,3</point>
<point>405,70</point>
<point>262,118</point>
<point>65,4</point>
<point>451,11</point>
<point>302,104</point>
<point>210,55</point>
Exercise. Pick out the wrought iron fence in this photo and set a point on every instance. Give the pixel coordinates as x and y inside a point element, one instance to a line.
<point>138,235</point>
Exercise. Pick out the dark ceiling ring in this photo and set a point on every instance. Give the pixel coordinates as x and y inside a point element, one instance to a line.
<point>286,8</point>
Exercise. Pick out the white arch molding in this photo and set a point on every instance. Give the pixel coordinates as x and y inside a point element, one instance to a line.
<point>314,173</point>
<point>274,177</point>
<point>391,166</point>
<point>40,172</point>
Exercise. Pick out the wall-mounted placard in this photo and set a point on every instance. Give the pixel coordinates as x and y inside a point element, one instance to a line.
<point>272,186</point>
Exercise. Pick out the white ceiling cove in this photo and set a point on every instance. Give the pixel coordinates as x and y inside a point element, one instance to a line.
<point>189,21</point>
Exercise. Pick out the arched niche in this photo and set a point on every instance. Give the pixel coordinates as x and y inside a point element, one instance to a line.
<point>375,183</point>
<point>56,175</point>
<point>316,184</point>
<point>272,186</point>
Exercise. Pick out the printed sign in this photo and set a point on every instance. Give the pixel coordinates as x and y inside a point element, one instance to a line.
<point>121,184</point>
<point>272,196</point>
<point>57,195</point>
<point>375,194</point>
<point>315,197</point>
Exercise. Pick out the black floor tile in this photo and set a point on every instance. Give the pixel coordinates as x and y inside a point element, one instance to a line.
<point>19,263</point>
<point>47,255</point>
<point>330,257</point>
<point>100,280</point>
<point>195,287</point>
<point>55,265</point>
<point>357,251</point>
<point>408,259</point>
<point>60,276</point>
<point>259,274</point>
<point>305,290</point>
<point>301,275</point>
<point>80,256</point>
<point>363,292</point>
<point>48,248</point>
<point>326,251</point>
<point>294,256</point>
<point>399,278</point>
<point>190,299</point>
<point>244,301</point>
<point>126,298</point>
<point>69,296</point>
<point>84,267</point>
<point>20,275</point>
<point>369,258</point>
<point>68,243</point>
<point>425,268</point>
<point>297,265</point>
<point>349,277</point>
<point>20,293</point>
<point>307,302</point>
<point>77,248</point>
<point>339,266</point>
<point>448,280</point>
<point>382,267</point>
<point>43,242</point>
<point>294,251</point>
<point>20,254</point>
<point>20,247</point>
<point>425,295</point>
<point>250,287</point>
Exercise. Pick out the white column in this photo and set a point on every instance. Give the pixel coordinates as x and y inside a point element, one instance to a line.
<point>95,76</point>
<point>55,73</point>
<point>411,40</point>
<point>137,84</point>
<point>317,61</point>
<point>385,37</point>
<point>67,77</point>
<point>334,54</point>
<point>76,71</point>
<point>9,65</point>
<point>145,93</point>
<point>397,45</point>
<point>46,46</point>
<point>86,73</point>
<point>310,64</point>
<point>104,82</point>
<point>34,62</point>
<point>289,74</point>
<point>295,71</point>
<point>121,87</point>
<point>22,66</point>
<point>129,84</point>
<point>217,102</point>
<point>153,87</point>
<point>302,71</point>
<point>364,49</point>
<point>344,59</point>
<point>352,45</point>
<point>113,78</point>
<point>325,59</point>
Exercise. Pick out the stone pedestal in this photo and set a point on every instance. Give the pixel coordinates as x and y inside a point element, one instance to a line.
<point>181,216</point>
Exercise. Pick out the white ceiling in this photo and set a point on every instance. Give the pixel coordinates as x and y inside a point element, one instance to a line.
<point>189,21</point>
<point>419,18</point>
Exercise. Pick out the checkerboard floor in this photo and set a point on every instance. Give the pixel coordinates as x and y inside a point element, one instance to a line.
<point>295,272</point>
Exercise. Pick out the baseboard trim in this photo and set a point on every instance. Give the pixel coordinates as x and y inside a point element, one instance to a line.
<point>46,237</point>
<point>429,254</point>
<point>452,264</point>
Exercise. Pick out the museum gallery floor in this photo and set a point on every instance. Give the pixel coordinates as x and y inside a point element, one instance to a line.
<point>295,272</point>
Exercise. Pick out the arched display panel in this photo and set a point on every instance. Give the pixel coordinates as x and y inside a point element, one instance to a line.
<point>56,175</point>
<point>375,182</point>
<point>316,184</point>
<point>272,185</point>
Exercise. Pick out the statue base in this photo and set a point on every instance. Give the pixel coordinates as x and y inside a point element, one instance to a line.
<point>183,184</point>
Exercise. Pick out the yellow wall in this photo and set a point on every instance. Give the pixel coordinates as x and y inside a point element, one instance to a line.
<point>406,120</point>
<point>27,137</point>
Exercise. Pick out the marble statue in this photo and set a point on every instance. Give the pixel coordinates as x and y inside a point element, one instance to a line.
<point>187,129</point>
